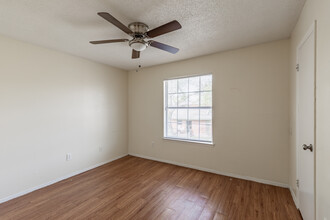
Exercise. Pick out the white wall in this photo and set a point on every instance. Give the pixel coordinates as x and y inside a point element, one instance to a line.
<point>51,104</point>
<point>315,10</point>
<point>251,112</point>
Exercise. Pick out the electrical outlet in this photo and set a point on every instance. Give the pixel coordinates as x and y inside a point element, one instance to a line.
<point>100,149</point>
<point>68,156</point>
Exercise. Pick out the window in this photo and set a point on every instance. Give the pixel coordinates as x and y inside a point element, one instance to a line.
<point>188,109</point>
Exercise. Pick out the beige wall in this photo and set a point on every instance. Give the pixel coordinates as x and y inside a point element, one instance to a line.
<point>51,104</point>
<point>251,112</point>
<point>315,10</point>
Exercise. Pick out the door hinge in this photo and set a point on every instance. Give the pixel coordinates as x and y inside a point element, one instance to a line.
<point>297,182</point>
<point>297,67</point>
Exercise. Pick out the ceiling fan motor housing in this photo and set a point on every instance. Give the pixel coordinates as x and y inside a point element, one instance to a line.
<point>138,28</point>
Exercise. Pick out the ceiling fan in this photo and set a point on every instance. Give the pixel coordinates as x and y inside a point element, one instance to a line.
<point>140,33</point>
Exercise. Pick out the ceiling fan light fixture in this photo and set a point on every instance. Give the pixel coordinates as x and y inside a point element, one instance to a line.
<point>138,45</point>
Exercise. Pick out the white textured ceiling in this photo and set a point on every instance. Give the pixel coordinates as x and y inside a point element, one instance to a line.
<point>208,26</point>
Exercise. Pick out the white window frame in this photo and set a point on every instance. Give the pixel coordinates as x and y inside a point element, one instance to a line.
<point>165,93</point>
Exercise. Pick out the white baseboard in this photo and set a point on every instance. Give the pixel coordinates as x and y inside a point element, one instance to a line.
<point>294,197</point>
<point>56,180</point>
<point>268,182</point>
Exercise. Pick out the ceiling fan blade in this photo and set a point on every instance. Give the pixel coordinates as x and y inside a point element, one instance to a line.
<point>108,41</point>
<point>115,22</point>
<point>135,54</point>
<point>164,29</point>
<point>165,47</point>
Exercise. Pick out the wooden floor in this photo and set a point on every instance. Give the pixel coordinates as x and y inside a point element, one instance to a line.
<point>135,188</point>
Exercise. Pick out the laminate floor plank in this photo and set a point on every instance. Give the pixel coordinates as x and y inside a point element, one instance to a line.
<point>136,188</point>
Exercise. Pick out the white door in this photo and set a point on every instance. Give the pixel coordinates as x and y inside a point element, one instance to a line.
<point>305,124</point>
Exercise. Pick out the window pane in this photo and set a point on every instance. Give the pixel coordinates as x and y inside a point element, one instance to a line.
<point>182,129</point>
<point>206,132</point>
<point>206,99</point>
<point>194,99</point>
<point>172,130</point>
<point>193,124</point>
<point>182,114</point>
<point>193,115</point>
<point>172,86</point>
<point>194,84</point>
<point>172,100</point>
<point>172,115</point>
<point>183,85</point>
<point>206,116</point>
<point>183,99</point>
<point>206,83</point>
<point>193,130</point>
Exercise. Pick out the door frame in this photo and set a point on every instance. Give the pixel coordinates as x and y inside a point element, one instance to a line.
<point>311,30</point>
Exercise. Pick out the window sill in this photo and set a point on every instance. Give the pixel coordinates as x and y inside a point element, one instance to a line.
<point>189,141</point>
